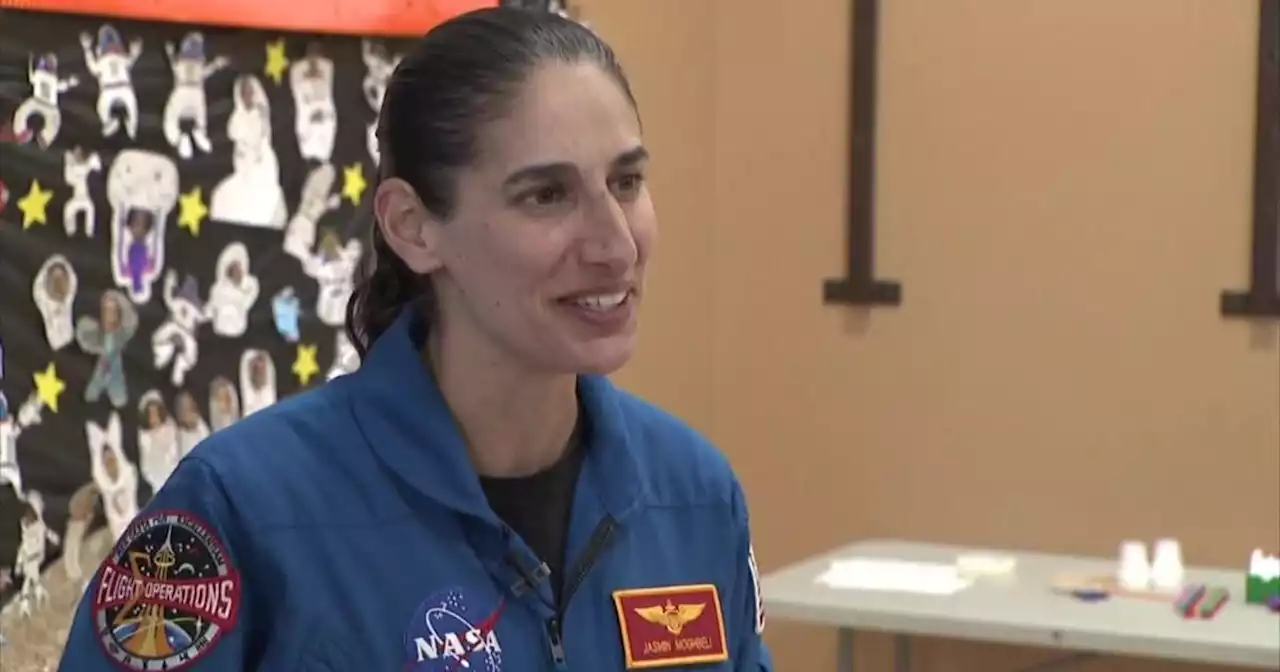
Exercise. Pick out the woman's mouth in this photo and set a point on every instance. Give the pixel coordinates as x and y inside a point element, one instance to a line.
<point>610,311</point>
<point>602,302</point>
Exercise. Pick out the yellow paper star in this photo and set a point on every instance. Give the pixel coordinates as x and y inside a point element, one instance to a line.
<point>353,183</point>
<point>35,205</point>
<point>192,211</point>
<point>304,365</point>
<point>277,61</point>
<point>49,387</point>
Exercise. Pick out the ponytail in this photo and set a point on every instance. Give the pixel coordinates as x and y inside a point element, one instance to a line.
<point>385,285</point>
<point>383,291</point>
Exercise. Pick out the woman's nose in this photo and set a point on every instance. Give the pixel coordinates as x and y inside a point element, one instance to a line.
<point>610,240</point>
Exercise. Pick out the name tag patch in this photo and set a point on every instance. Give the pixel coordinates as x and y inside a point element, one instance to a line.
<point>672,625</point>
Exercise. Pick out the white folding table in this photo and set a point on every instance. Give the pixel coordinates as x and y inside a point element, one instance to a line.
<point>1023,610</point>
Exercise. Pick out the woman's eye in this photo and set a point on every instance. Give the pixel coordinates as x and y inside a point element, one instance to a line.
<point>545,196</point>
<point>629,183</point>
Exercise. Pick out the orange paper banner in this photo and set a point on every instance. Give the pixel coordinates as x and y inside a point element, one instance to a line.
<point>345,17</point>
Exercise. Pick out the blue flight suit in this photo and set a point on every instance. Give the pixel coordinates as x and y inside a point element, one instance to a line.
<point>345,530</point>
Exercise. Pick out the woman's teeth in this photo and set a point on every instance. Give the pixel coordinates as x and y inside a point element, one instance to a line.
<point>601,301</point>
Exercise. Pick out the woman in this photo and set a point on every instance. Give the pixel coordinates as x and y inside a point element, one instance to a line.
<point>476,495</point>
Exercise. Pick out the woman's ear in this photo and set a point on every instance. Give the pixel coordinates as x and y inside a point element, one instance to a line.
<point>409,229</point>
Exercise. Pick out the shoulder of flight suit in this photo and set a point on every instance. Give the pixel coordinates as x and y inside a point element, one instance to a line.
<point>283,466</point>
<point>678,464</point>
<point>681,467</point>
<point>170,588</point>
<point>289,462</point>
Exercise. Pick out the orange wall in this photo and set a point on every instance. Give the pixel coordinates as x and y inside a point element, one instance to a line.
<point>1063,190</point>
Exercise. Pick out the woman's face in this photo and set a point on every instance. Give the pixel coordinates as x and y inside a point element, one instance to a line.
<point>545,255</point>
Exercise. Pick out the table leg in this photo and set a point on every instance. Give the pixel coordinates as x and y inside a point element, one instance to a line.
<point>902,653</point>
<point>844,650</point>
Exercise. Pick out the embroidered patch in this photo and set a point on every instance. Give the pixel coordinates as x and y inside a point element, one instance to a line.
<point>448,633</point>
<point>671,625</point>
<point>755,586</point>
<point>167,593</point>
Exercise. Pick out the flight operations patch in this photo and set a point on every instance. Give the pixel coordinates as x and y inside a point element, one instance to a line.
<point>167,593</point>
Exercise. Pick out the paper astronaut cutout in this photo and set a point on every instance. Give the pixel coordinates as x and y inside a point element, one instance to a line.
<point>142,187</point>
<point>257,381</point>
<point>345,358</point>
<point>35,534</point>
<point>378,68</point>
<point>192,428</point>
<point>10,429</point>
<point>333,266</point>
<point>46,86</point>
<point>233,293</point>
<point>54,292</point>
<point>10,472</point>
<point>158,452</point>
<point>112,65</point>
<point>187,103</point>
<point>251,194</point>
<point>78,164</point>
<point>80,513</point>
<point>174,342</point>
<point>113,473</point>
<point>316,200</point>
<point>224,403</point>
<point>106,336</point>
<point>316,115</point>
<point>285,310</point>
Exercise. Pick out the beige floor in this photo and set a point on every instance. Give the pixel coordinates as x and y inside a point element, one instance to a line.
<point>35,644</point>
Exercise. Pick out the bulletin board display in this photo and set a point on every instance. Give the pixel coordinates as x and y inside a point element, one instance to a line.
<point>182,207</point>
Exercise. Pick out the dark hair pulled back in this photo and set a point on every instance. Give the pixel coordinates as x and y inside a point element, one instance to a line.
<point>462,75</point>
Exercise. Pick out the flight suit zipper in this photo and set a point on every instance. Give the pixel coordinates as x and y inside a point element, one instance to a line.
<point>596,545</point>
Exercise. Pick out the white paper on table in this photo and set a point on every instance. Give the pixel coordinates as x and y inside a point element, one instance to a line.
<point>895,576</point>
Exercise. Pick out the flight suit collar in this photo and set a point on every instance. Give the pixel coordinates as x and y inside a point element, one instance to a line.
<point>403,416</point>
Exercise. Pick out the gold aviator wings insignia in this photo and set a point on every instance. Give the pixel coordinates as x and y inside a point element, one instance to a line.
<point>670,616</point>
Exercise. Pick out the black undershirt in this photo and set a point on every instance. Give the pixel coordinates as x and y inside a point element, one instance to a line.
<point>537,506</point>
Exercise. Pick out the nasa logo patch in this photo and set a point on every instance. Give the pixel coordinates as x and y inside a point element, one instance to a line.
<point>166,594</point>
<point>449,633</point>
